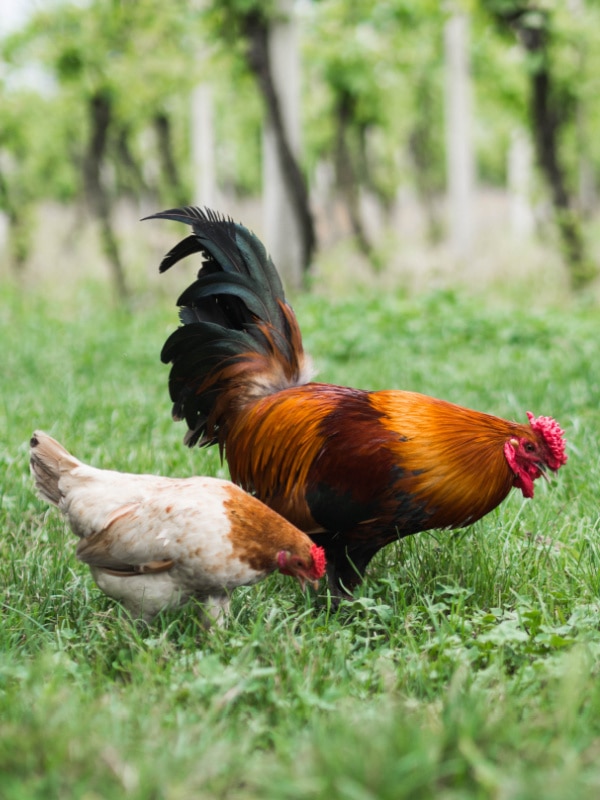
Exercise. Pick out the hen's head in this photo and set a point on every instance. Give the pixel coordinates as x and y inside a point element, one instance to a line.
<point>530,455</point>
<point>310,568</point>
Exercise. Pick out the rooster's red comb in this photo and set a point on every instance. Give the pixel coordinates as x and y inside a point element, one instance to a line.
<point>553,435</point>
<point>318,557</point>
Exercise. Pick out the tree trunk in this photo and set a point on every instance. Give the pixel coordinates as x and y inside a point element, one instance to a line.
<point>256,31</point>
<point>547,117</point>
<point>16,227</point>
<point>100,110</point>
<point>549,110</point>
<point>131,176</point>
<point>422,152</point>
<point>346,173</point>
<point>168,164</point>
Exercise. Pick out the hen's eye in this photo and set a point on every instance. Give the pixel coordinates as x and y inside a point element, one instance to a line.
<point>529,447</point>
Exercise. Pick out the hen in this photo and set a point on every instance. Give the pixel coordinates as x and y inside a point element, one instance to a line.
<point>153,543</point>
<point>354,469</point>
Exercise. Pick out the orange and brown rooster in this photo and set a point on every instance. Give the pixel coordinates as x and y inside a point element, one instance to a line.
<point>354,469</point>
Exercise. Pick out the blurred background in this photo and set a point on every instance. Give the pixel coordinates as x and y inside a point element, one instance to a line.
<point>394,143</point>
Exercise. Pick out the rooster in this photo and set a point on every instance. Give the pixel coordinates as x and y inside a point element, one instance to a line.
<point>354,469</point>
<point>154,543</point>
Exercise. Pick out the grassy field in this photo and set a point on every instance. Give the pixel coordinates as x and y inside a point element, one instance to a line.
<point>466,667</point>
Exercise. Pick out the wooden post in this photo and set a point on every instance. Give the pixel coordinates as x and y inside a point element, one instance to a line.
<point>281,231</point>
<point>459,147</point>
<point>519,173</point>
<point>203,148</point>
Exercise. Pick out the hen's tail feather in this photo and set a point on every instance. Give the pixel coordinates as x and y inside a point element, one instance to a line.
<point>48,459</point>
<point>239,337</point>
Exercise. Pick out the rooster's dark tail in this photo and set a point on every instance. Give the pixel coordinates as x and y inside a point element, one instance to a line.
<point>239,338</point>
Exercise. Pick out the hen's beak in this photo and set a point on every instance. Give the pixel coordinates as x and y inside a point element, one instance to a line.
<point>543,472</point>
<point>303,580</point>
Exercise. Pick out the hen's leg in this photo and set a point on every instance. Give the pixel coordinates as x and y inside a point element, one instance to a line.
<point>214,610</point>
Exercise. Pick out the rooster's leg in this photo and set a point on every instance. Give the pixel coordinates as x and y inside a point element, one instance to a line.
<point>346,569</point>
<point>337,587</point>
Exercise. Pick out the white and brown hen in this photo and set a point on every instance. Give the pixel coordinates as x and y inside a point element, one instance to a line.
<point>154,543</point>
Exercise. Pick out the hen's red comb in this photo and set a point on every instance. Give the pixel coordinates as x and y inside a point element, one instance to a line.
<point>553,435</point>
<point>318,557</point>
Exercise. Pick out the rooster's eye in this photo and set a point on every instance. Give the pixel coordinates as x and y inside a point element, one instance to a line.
<point>529,447</point>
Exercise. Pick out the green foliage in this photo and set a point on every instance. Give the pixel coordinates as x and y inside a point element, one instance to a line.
<point>140,55</point>
<point>383,60</point>
<point>466,666</point>
<point>573,60</point>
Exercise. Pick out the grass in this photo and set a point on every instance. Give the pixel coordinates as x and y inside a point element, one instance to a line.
<point>465,668</point>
